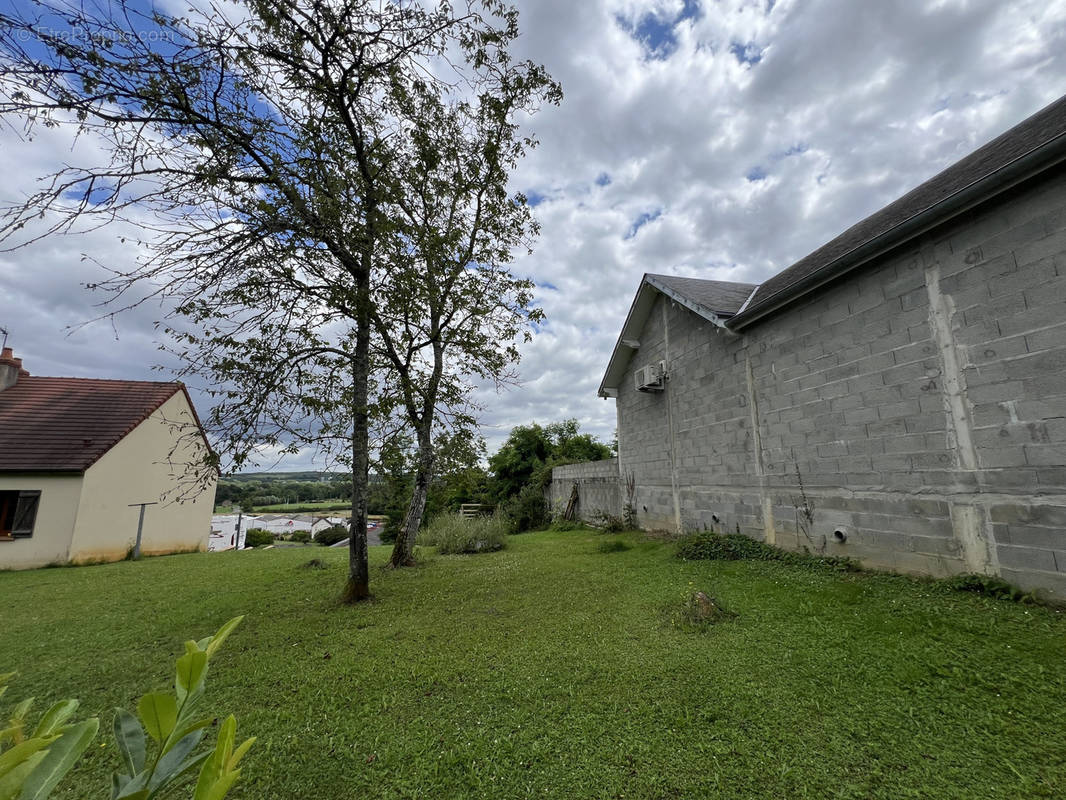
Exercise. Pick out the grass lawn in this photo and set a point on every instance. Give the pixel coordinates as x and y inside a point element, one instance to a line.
<point>550,670</point>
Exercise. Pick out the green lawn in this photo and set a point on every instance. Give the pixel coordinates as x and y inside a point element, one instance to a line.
<point>549,670</point>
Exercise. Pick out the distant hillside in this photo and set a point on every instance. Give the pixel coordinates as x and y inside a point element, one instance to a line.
<point>271,477</point>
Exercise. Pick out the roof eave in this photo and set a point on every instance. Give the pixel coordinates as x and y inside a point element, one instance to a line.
<point>635,319</point>
<point>1023,168</point>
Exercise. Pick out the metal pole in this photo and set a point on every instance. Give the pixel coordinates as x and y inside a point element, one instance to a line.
<point>140,527</point>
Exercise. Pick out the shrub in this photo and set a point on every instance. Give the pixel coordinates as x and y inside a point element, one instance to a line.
<point>526,511</point>
<point>452,533</point>
<point>257,537</point>
<point>989,586</point>
<point>561,524</point>
<point>303,537</point>
<point>391,529</point>
<point>711,546</point>
<point>332,535</point>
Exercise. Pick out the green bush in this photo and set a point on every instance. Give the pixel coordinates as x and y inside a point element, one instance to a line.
<point>711,546</point>
<point>391,529</point>
<point>303,537</point>
<point>452,533</point>
<point>257,537</point>
<point>332,535</point>
<point>989,586</point>
<point>527,510</point>
<point>560,524</point>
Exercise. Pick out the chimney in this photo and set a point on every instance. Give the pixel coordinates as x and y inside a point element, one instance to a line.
<point>10,369</point>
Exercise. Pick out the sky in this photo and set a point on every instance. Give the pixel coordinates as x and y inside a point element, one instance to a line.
<point>721,140</point>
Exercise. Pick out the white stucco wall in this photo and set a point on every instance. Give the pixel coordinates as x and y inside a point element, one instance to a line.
<point>54,527</point>
<point>145,467</point>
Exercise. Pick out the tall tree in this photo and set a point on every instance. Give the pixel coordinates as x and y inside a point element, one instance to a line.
<point>455,311</point>
<point>265,145</point>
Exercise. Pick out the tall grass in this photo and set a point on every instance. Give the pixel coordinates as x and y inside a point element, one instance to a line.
<point>452,533</point>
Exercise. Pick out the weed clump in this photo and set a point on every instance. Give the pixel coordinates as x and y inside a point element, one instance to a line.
<point>453,533</point>
<point>989,586</point>
<point>560,524</point>
<point>699,611</point>
<point>711,546</point>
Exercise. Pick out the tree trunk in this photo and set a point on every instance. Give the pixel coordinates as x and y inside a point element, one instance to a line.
<point>403,551</point>
<point>358,586</point>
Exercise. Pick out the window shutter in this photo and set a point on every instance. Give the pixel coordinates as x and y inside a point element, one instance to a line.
<point>25,514</point>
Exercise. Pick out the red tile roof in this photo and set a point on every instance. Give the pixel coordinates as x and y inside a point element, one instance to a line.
<point>67,424</point>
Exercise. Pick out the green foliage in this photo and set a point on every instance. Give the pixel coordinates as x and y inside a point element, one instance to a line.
<point>257,537</point>
<point>612,546</point>
<point>33,760</point>
<point>33,765</point>
<point>332,535</point>
<point>176,725</point>
<point>302,537</point>
<point>989,586</point>
<point>560,524</point>
<point>530,452</point>
<point>526,511</point>
<point>711,546</point>
<point>608,523</point>
<point>452,533</point>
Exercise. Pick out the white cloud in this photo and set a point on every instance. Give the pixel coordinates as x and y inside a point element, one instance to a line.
<point>770,128</point>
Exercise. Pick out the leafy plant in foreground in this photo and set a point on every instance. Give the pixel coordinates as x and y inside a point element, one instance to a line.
<point>30,768</point>
<point>175,724</point>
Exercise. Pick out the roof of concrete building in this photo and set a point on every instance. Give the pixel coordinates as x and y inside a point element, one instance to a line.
<point>722,298</point>
<point>1027,149</point>
<point>67,424</point>
<point>715,301</point>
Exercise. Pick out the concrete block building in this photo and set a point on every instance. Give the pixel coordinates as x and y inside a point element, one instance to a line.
<point>897,396</point>
<point>78,454</point>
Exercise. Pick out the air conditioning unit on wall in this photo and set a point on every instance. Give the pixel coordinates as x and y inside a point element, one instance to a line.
<point>651,378</point>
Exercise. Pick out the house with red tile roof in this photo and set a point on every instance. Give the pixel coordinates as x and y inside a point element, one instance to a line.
<point>80,457</point>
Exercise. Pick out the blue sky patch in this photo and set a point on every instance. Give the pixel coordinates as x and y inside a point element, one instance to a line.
<point>658,33</point>
<point>95,197</point>
<point>641,221</point>
<point>756,174</point>
<point>750,53</point>
<point>603,179</point>
<point>534,198</point>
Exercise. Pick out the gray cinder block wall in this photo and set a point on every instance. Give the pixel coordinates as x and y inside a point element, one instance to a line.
<point>920,401</point>
<point>598,488</point>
